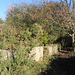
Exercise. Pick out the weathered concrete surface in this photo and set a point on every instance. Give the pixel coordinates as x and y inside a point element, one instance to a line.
<point>5,54</point>
<point>50,50</point>
<point>37,53</point>
<point>53,49</point>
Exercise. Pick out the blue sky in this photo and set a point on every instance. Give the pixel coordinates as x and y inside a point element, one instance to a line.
<point>4,4</point>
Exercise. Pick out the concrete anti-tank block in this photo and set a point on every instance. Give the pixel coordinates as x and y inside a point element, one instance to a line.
<point>5,54</point>
<point>50,50</point>
<point>53,49</point>
<point>37,53</point>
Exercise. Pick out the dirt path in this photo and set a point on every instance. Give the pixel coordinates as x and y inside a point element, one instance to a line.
<point>63,64</point>
<point>65,54</point>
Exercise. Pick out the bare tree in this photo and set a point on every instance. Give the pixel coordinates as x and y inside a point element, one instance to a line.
<point>72,15</point>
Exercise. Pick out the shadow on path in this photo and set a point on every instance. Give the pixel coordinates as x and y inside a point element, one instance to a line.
<point>61,66</point>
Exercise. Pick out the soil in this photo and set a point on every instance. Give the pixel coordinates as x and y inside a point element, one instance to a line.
<point>63,64</point>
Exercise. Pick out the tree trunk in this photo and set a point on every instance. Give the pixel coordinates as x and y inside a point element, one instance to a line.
<point>73,38</point>
<point>73,41</point>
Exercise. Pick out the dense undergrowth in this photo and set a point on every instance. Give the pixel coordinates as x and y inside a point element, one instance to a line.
<point>22,65</point>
